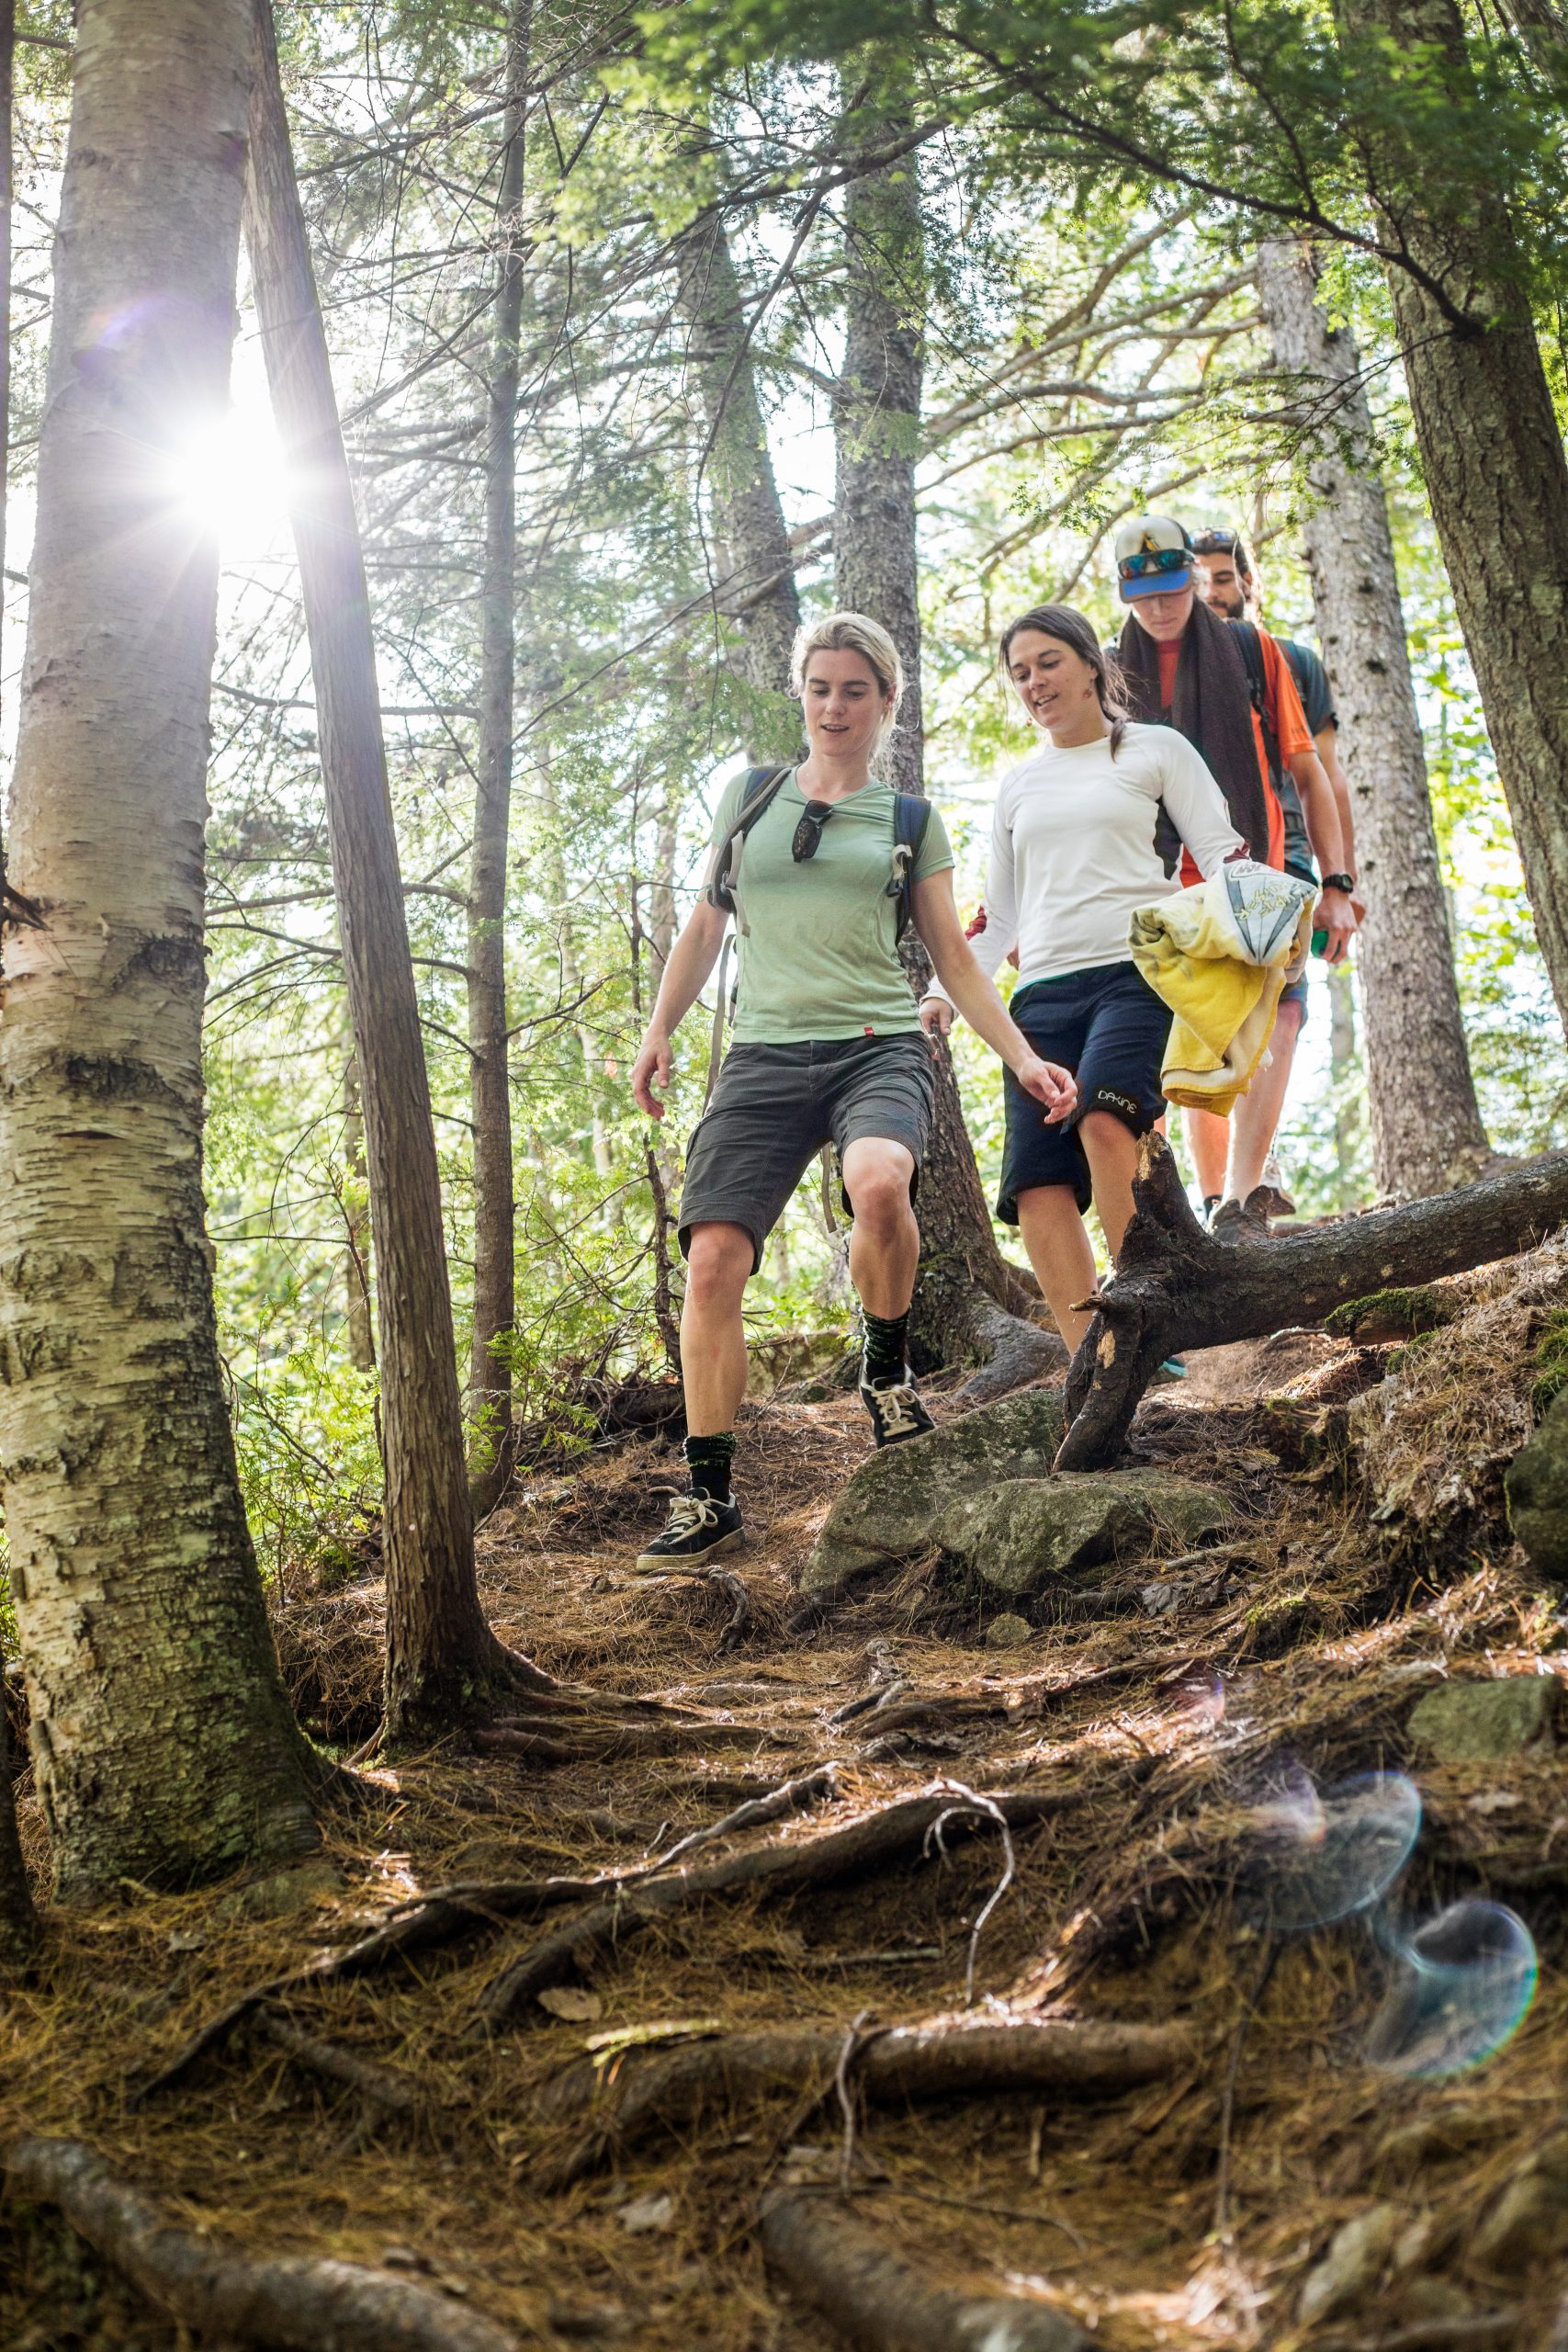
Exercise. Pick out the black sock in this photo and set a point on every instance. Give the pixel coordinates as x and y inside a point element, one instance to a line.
<point>887,1337</point>
<point>707,1461</point>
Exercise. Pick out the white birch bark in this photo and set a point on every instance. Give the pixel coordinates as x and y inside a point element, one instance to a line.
<point>163,1743</point>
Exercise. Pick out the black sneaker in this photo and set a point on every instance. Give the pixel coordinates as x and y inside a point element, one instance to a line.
<point>895,1410</point>
<point>699,1530</point>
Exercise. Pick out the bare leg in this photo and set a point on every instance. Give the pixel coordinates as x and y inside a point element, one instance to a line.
<point>1209,1141</point>
<point>1255,1118</point>
<point>1060,1253</point>
<point>1113,1153</point>
<point>884,1242</point>
<point>713,1336</point>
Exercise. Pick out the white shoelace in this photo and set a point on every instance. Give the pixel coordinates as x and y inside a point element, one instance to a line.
<point>895,1404</point>
<point>689,1512</point>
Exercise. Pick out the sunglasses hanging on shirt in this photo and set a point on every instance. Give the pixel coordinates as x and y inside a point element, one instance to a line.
<point>808,833</point>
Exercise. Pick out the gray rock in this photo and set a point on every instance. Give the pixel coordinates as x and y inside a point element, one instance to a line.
<point>1536,1487</point>
<point>1352,2265</point>
<point>886,1510</point>
<point>1465,1723</point>
<point>1023,1533</point>
<point>1007,1633</point>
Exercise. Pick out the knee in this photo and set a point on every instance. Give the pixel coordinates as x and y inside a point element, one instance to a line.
<point>718,1265</point>
<point>1103,1131</point>
<point>879,1193</point>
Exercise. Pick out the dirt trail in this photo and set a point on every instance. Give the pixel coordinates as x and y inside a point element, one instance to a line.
<point>1185,2211</point>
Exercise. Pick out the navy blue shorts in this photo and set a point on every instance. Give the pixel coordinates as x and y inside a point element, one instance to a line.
<point>1110,1029</point>
<point>1295,994</point>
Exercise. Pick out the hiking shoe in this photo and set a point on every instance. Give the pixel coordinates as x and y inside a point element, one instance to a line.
<point>1240,1221</point>
<point>1271,1195</point>
<point>699,1530</point>
<point>895,1410</point>
<point>1173,1368</point>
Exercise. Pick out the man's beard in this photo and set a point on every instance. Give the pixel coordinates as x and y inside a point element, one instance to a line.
<point>1236,612</point>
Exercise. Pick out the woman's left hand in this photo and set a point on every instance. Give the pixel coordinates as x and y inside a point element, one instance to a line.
<point>1051,1084</point>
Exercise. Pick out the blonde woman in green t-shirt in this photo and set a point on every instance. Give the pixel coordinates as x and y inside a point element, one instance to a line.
<point>828,1048</point>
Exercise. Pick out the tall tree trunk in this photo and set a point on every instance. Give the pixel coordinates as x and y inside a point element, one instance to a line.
<point>163,1740</point>
<point>492,1443</point>
<point>443,1662</point>
<point>1493,460</point>
<point>965,1292</point>
<point>753,561</point>
<point>356,1220</point>
<point>1344,1072</point>
<point>1426,1126</point>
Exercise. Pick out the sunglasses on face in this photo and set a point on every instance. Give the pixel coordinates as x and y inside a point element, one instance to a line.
<point>808,833</point>
<point>1147,559</point>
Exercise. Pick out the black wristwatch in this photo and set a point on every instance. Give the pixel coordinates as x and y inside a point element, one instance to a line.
<point>1346,882</point>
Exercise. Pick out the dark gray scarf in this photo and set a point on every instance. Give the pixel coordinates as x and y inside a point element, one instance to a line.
<point>1213,707</point>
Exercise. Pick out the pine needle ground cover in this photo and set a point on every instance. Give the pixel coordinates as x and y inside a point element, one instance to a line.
<point>1264,2183</point>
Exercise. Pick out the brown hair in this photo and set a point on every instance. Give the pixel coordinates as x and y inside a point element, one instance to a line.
<point>1071,629</point>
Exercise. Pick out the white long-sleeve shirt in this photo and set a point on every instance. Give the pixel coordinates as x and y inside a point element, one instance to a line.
<point>1073,848</point>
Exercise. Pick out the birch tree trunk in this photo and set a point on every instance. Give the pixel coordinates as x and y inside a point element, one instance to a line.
<point>753,561</point>
<point>444,1665</point>
<point>492,1442</point>
<point>1425,1124</point>
<point>965,1292</point>
<point>163,1741</point>
<point>1493,460</point>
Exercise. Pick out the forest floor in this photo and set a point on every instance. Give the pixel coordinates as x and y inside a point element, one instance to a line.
<point>1187,2211</point>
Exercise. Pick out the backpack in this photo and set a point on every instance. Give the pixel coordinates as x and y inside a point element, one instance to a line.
<point>910,816</point>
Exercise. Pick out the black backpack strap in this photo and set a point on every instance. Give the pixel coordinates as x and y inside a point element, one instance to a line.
<point>759,789</point>
<point>911,815</point>
<point>1249,646</point>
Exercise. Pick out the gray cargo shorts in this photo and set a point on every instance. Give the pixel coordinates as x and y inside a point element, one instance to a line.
<point>775,1107</point>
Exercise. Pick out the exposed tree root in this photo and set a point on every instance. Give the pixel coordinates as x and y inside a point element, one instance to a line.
<point>1012,1352</point>
<point>284,2301</point>
<point>818,2248</point>
<point>943,2059</point>
<point>447,1913</point>
<point>381,2088</point>
<point>1174,1287</point>
<point>551,1741</point>
<point>864,1846</point>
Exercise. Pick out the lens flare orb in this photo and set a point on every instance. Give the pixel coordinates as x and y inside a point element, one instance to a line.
<point>1463,1985</point>
<point>1323,1856</point>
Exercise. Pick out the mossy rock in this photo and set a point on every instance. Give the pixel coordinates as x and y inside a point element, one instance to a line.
<point>886,1509</point>
<point>1465,1723</point>
<point>1550,1357</point>
<point>1536,1489</point>
<point>1024,1534</point>
<point>1391,1315</point>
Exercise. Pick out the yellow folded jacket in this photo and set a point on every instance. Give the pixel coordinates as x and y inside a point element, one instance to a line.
<point>1218,955</point>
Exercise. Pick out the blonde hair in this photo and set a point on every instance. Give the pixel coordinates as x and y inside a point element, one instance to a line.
<point>852,633</point>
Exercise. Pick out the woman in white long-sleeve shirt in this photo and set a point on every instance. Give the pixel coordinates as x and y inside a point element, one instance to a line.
<point>1075,845</point>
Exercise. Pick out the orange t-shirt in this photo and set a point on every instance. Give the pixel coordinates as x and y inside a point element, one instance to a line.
<point>1286,716</point>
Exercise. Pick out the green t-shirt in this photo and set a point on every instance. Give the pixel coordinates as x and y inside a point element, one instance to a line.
<point>818,941</point>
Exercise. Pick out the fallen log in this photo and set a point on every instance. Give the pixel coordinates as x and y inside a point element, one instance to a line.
<point>817,2247</point>
<point>862,1847</point>
<point>945,2058</point>
<point>1174,1287</point>
<point>283,2302</point>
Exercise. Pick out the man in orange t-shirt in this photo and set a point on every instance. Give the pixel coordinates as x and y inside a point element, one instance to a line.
<point>1185,669</point>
